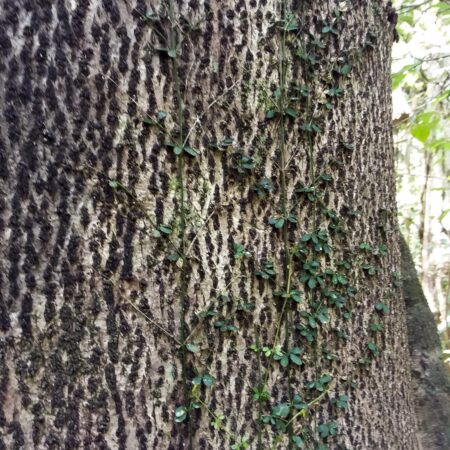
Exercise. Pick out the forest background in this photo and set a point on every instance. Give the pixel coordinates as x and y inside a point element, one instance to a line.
<point>421,94</point>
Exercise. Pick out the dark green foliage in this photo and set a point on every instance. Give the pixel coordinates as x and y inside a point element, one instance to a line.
<point>266,270</point>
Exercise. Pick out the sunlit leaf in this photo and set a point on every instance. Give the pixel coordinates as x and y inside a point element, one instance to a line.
<point>423,125</point>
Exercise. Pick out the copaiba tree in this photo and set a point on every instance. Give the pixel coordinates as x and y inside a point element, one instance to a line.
<point>199,235</point>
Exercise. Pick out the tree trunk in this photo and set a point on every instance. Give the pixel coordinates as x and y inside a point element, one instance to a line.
<point>430,376</point>
<point>183,184</point>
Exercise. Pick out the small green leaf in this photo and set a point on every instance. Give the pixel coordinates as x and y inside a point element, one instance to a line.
<point>165,229</point>
<point>345,69</point>
<point>161,115</point>
<point>208,313</point>
<point>327,429</point>
<point>375,326</point>
<point>296,359</point>
<point>222,145</point>
<point>216,423</point>
<point>382,307</point>
<point>296,296</point>
<point>282,410</point>
<point>277,222</point>
<point>150,15</point>
<point>208,380</point>
<point>348,146</point>
<point>291,112</point>
<point>171,52</point>
<point>224,326</point>
<point>246,306</point>
<point>323,316</point>
<point>335,92</point>
<point>341,401</point>
<point>193,348</point>
<point>298,441</point>
<point>180,414</point>
<point>298,403</point>
<point>191,151</point>
<point>239,251</point>
<point>263,187</point>
<point>373,348</point>
<point>260,395</point>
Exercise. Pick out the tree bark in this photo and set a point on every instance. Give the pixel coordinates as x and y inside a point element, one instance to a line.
<point>116,250</point>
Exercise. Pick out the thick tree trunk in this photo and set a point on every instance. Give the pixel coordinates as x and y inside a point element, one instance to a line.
<point>126,267</point>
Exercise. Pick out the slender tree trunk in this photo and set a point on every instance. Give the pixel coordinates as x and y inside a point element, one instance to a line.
<point>184,183</point>
<point>424,232</point>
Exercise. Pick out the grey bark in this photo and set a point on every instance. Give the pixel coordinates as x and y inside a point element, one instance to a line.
<point>88,296</point>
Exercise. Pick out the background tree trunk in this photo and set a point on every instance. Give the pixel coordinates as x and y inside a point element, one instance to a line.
<point>95,318</point>
<point>430,376</point>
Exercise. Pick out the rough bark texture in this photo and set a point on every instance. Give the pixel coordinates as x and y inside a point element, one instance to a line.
<point>86,288</point>
<point>430,375</point>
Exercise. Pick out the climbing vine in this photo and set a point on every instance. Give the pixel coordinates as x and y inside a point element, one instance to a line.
<point>315,278</point>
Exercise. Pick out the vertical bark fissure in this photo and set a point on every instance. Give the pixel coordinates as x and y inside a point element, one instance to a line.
<point>182,215</point>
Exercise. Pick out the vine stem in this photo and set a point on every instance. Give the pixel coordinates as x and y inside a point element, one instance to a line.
<point>182,245</point>
<point>312,180</point>
<point>153,322</point>
<point>280,320</point>
<point>287,263</point>
<point>213,415</point>
<point>304,412</point>
<point>287,257</point>
<point>313,402</point>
